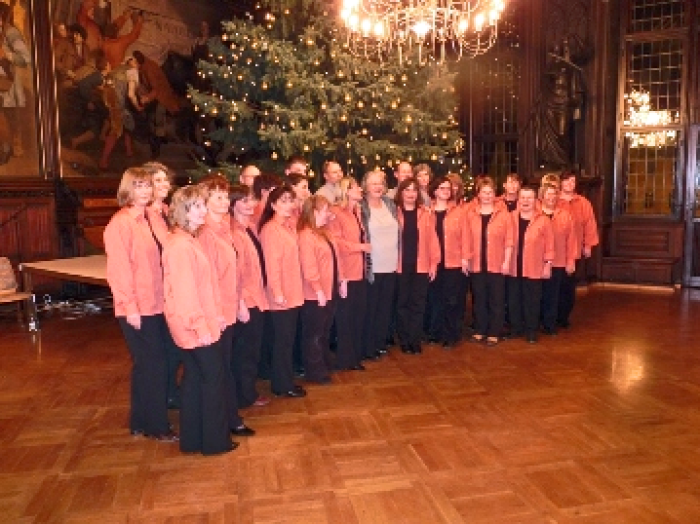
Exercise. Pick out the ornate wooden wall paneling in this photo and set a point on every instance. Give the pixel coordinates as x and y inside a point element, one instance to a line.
<point>28,221</point>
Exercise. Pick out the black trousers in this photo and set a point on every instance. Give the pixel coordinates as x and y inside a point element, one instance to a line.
<point>551,288</point>
<point>524,297</point>
<point>489,303</point>
<point>316,324</point>
<point>247,341</point>
<point>174,361</point>
<point>149,411</point>
<point>226,341</point>
<point>445,293</point>
<point>349,321</point>
<point>567,295</point>
<point>380,301</point>
<point>284,326</point>
<point>268,341</point>
<point>410,307</point>
<point>204,425</point>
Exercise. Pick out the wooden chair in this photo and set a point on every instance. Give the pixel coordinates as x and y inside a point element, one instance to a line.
<point>26,313</point>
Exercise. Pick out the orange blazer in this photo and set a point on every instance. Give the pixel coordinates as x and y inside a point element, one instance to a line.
<point>428,243</point>
<point>250,283</point>
<point>347,233</point>
<point>457,241</point>
<point>134,273</point>
<point>217,242</point>
<point>585,225</point>
<point>317,264</point>
<point>538,245</point>
<point>566,246</point>
<point>499,236</point>
<point>281,251</point>
<point>192,303</point>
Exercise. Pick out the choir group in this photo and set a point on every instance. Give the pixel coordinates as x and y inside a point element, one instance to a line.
<point>262,279</point>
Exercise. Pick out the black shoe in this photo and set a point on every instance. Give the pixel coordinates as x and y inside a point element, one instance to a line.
<point>531,338</point>
<point>170,436</point>
<point>549,331</point>
<point>375,356</point>
<point>243,431</point>
<point>405,348</point>
<point>433,340</point>
<point>563,323</point>
<point>297,392</point>
<point>137,433</point>
<point>383,351</point>
<point>448,346</point>
<point>417,348</point>
<point>299,372</point>
<point>357,367</point>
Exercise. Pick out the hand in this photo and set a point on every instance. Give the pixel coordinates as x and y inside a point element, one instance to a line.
<point>322,300</point>
<point>366,247</point>
<point>243,313</point>
<point>432,274</point>
<point>206,340</point>
<point>343,290</point>
<point>587,252</point>
<point>134,321</point>
<point>547,271</point>
<point>280,301</point>
<point>570,269</point>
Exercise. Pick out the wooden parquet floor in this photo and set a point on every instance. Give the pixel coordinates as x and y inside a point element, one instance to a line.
<point>600,424</point>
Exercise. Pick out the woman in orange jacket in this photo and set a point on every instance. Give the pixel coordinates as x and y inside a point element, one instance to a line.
<point>530,263</point>
<point>324,284</point>
<point>135,278</point>
<point>419,256</point>
<point>195,318</point>
<point>348,233</point>
<point>455,249</point>
<point>566,251</point>
<point>157,215</point>
<point>248,336</point>
<point>285,294</point>
<point>217,242</point>
<point>491,233</point>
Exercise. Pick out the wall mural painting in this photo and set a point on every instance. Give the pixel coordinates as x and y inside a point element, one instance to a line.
<point>18,133</point>
<point>122,69</point>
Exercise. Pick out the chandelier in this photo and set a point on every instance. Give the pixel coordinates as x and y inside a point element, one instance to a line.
<point>426,29</point>
<point>640,114</point>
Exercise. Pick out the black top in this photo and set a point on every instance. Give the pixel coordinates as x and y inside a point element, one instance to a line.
<point>440,229</point>
<point>485,219</point>
<point>522,227</point>
<point>511,204</point>
<point>258,248</point>
<point>409,241</point>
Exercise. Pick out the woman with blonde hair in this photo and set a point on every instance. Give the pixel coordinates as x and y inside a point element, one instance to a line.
<point>135,278</point>
<point>348,233</point>
<point>491,236</point>
<point>423,175</point>
<point>324,284</point>
<point>157,216</point>
<point>380,223</point>
<point>195,318</point>
<point>217,242</point>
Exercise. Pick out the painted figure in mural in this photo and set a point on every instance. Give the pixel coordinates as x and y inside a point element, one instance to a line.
<point>86,18</point>
<point>71,54</point>
<point>157,97</point>
<point>14,56</point>
<point>114,44</point>
<point>95,112</point>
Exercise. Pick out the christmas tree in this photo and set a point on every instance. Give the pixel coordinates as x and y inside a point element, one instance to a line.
<point>281,81</point>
